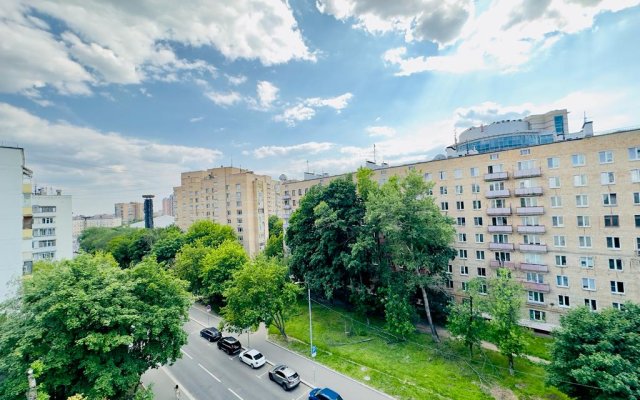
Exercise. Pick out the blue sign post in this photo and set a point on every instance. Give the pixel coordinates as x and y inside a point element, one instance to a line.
<point>314,351</point>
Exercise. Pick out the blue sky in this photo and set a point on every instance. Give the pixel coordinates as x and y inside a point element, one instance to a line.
<point>112,100</point>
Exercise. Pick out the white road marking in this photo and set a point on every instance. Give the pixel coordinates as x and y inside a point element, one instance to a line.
<point>207,371</point>
<point>262,374</point>
<point>186,354</point>
<point>236,394</point>
<point>197,322</point>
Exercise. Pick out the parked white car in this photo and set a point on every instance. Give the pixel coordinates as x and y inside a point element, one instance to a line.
<point>253,358</point>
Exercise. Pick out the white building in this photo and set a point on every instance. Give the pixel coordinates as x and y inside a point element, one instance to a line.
<point>15,218</point>
<point>52,225</point>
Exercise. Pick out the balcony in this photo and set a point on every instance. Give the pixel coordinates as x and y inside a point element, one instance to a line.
<point>27,234</point>
<point>534,267</point>
<point>530,210</point>
<point>286,197</point>
<point>496,176</point>
<point>501,246</point>
<point>534,248</point>
<point>500,228</point>
<point>530,191</point>
<point>531,229</point>
<point>527,173</point>
<point>26,188</point>
<point>499,211</point>
<point>493,194</point>
<point>287,206</point>
<point>27,211</point>
<point>503,264</point>
<point>538,287</point>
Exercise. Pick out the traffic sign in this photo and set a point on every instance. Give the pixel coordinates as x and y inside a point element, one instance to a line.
<point>314,351</point>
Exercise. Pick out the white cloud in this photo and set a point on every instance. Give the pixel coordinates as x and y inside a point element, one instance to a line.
<point>308,148</point>
<point>306,109</point>
<point>386,131</point>
<point>129,42</point>
<point>196,119</point>
<point>267,93</point>
<point>98,168</point>
<point>236,80</point>
<point>224,99</point>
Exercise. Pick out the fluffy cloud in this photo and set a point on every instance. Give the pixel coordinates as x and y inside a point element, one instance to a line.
<point>129,42</point>
<point>102,168</point>
<point>267,93</point>
<point>306,109</point>
<point>308,148</point>
<point>224,99</point>
<point>376,131</point>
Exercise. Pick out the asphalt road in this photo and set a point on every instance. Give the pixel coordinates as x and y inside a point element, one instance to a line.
<point>204,372</point>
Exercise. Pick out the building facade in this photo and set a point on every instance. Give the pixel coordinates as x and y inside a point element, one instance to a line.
<point>52,225</point>
<point>16,218</point>
<point>129,212</point>
<point>168,206</point>
<point>563,216</point>
<point>229,196</point>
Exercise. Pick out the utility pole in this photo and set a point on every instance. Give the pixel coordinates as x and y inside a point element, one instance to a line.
<point>33,392</point>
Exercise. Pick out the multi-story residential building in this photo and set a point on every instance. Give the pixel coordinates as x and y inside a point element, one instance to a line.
<point>563,215</point>
<point>15,218</point>
<point>81,222</point>
<point>229,196</point>
<point>168,205</point>
<point>129,212</point>
<point>52,225</point>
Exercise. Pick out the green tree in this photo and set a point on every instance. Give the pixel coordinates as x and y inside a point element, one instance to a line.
<point>275,246</point>
<point>414,237</point>
<point>189,266</point>
<point>465,319</point>
<point>87,326</point>
<point>275,226</point>
<point>209,233</point>
<point>260,291</point>
<point>218,266</point>
<point>503,305</point>
<point>168,244</point>
<point>597,350</point>
<point>92,240</point>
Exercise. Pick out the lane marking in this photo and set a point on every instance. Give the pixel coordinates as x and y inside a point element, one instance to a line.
<point>236,394</point>
<point>207,371</point>
<point>262,374</point>
<point>186,354</point>
<point>197,322</point>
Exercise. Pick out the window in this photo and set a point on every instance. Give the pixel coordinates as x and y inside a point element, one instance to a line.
<point>535,277</point>
<point>477,205</point>
<point>586,262</point>
<point>557,221</point>
<point>462,253</point>
<point>443,190</point>
<point>462,237</point>
<point>578,160</point>
<point>559,241</point>
<point>493,156</point>
<point>584,221</point>
<point>444,206</point>
<point>461,221</point>
<point>582,200</point>
<point>611,220</point>
<point>482,288</point>
<point>494,168</point>
<point>607,178</point>
<point>613,242</point>
<point>531,239</point>
<point>634,153</point>
<point>501,238</point>
<point>605,157</point>
<point>442,175</point>
<point>554,182</point>
<point>553,162</point>
<point>457,173</point>
<point>536,297</point>
<point>563,300</point>
<point>474,171</point>
<point>526,164</point>
<point>499,221</point>
<point>479,238</point>
<point>528,202</point>
<point>636,198</point>
<point>537,315</point>
<point>503,256</point>
<point>617,306</point>
<point>615,264</point>
<point>584,242</point>
<point>477,221</point>
<point>475,188</point>
<point>580,180</point>
<point>531,221</point>
<point>562,281</point>
<point>464,286</point>
<point>449,284</point>
<point>556,201</point>
<point>588,284</point>
<point>637,220</point>
<point>427,176</point>
<point>496,186</point>
<point>482,271</point>
<point>498,203</point>
<point>610,199</point>
<point>635,175</point>
<point>525,152</point>
<point>533,258</point>
<point>464,270</point>
<point>460,205</point>
<point>591,304</point>
<point>450,269</point>
<point>561,261</point>
<point>479,254</point>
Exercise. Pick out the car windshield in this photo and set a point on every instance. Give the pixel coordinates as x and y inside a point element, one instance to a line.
<point>258,356</point>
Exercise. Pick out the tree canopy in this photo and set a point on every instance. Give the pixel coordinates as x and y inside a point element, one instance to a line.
<point>87,326</point>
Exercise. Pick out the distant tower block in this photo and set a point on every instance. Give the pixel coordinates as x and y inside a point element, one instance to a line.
<point>148,210</point>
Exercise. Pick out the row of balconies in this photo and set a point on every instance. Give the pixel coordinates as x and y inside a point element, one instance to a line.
<point>524,173</point>
<point>523,266</point>
<point>519,229</point>
<point>505,211</point>
<point>501,193</point>
<point>534,248</point>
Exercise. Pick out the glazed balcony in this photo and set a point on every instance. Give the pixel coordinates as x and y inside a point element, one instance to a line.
<point>530,191</point>
<point>538,210</point>
<point>498,211</point>
<point>531,229</point>
<point>494,194</point>
<point>496,176</point>
<point>502,264</point>
<point>501,246</point>
<point>527,173</point>
<point>538,287</point>
<point>500,228</point>
<point>533,248</point>
<point>534,267</point>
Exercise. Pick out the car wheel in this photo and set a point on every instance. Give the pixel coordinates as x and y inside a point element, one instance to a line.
<point>284,386</point>
<point>270,376</point>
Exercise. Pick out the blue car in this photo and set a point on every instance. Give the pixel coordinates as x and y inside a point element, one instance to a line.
<point>324,394</point>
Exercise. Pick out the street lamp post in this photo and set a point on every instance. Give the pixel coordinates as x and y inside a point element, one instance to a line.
<point>313,353</point>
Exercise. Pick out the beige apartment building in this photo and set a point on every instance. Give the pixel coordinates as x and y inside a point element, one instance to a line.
<point>561,210</point>
<point>229,196</point>
<point>129,212</point>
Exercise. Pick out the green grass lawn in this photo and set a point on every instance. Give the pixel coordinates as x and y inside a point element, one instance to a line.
<point>413,369</point>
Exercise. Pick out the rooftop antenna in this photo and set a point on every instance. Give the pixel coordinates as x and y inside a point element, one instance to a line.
<point>374,153</point>
<point>307,166</point>
<point>231,161</point>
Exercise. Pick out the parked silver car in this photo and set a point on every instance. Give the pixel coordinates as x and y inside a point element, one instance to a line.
<point>284,376</point>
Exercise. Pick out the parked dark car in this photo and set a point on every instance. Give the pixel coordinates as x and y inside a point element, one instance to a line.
<point>323,394</point>
<point>229,345</point>
<point>211,334</point>
<point>284,376</point>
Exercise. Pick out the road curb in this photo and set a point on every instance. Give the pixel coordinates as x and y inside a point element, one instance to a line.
<point>332,370</point>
